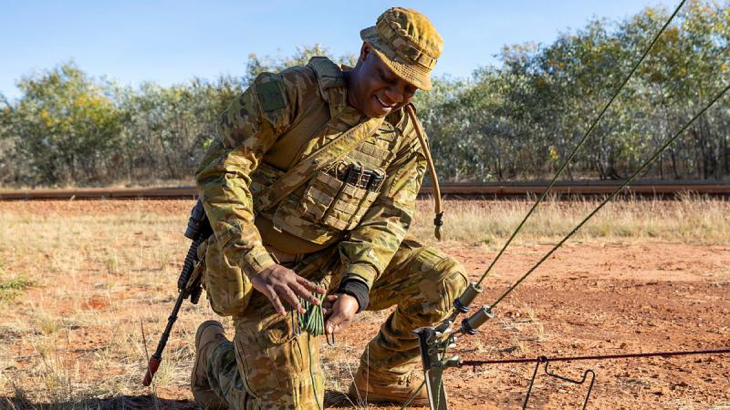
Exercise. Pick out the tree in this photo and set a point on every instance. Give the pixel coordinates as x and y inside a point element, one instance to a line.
<point>301,56</point>
<point>63,127</point>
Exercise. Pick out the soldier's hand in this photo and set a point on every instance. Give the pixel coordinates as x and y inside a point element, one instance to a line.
<point>344,308</point>
<point>277,282</point>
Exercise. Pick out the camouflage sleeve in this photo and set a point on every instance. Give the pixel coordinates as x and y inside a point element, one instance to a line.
<point>246,130</point>
<point>373,243</point>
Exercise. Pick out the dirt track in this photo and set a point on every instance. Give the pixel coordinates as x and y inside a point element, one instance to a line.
<point>590,298</point>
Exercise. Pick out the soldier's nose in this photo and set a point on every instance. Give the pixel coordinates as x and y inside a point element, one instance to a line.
<point>393,96</point>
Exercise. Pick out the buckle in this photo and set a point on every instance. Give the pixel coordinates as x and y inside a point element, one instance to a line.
<point>361,177</point>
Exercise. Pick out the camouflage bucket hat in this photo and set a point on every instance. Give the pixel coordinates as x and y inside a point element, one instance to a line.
<point>407,43</point>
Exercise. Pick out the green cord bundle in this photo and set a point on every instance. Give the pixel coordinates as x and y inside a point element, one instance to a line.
<point>312,321</point>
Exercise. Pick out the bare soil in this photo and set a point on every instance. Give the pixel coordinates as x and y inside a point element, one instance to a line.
<point>606,298</point>
<point>591,297</point>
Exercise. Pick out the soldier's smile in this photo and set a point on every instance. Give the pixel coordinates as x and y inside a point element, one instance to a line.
<point>386,108</point>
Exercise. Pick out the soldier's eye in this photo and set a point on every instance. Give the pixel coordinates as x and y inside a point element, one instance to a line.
<point>385,78</point>
<point>381,73</point>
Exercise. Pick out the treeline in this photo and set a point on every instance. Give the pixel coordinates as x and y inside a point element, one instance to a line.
<point>521,120</point>
<point>515,120</point>
<point>70,129</point>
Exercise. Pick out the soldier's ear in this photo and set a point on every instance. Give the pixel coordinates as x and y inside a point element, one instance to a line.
<point>364,51</point>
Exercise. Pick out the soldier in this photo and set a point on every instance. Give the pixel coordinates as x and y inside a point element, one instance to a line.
<point>310,187</point>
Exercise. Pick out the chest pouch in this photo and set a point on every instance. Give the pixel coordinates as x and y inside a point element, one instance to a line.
<point>340,196</point>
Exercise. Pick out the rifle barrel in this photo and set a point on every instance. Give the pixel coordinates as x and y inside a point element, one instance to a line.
<point>157,356</point>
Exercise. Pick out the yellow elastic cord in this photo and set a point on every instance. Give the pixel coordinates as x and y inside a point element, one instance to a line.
<point>439,214</point>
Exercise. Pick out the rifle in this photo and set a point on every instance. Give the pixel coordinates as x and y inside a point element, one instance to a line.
<point>198,230</point>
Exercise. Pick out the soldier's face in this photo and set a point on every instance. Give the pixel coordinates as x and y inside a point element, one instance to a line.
<point>376,90</point>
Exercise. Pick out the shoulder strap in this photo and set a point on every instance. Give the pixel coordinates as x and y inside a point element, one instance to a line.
<point>328,74</point>
<point>335,150</point>
<point>331,83</point>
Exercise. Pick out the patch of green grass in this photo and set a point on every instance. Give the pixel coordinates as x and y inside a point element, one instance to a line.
<point>9,289</point>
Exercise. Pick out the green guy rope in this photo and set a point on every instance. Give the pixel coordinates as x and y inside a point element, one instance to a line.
<point>580,143</point>
<point>615,191</point>
<point>312,321</point>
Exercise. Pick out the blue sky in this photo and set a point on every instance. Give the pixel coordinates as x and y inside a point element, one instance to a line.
<point>172,41</point>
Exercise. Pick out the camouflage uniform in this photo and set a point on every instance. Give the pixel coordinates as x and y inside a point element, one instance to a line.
<point>334,230</point>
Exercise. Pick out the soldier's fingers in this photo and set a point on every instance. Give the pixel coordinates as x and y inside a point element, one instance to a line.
<point>333,324</point>
<point>303,292</point>
<point>329,300</point>
<point>310,286</point>
<point>286,293</point>
<point>328,312</point>
<point>274,299</point>
<point>332,328</point>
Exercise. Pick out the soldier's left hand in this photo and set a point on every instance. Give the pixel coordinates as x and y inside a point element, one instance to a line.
<point>341,313</point>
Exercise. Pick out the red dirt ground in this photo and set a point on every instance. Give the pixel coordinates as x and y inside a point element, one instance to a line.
<point>590,298</point>
<point>603,299</point>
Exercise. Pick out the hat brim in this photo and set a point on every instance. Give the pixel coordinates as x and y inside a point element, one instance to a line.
<point>412,73</point>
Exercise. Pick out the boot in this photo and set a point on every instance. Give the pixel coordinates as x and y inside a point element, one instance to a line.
<point>209,336</point>
<point>396,391</point>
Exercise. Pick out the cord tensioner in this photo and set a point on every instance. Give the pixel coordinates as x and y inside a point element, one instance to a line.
<point>435,342</point>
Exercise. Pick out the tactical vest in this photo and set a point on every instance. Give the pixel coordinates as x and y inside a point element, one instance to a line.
<point>335,199</point>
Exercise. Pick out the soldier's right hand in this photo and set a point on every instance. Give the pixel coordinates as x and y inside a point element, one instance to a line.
<point>277,282</point>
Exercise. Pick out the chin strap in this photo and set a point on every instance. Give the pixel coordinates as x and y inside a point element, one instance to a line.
<point>439,214</point>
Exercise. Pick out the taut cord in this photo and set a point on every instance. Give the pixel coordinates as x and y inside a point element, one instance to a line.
<point>613,194</point>
<point>581,142</point>
<point>542,359</point>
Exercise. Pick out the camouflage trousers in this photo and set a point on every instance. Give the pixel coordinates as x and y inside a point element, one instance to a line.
<point>268,366</point>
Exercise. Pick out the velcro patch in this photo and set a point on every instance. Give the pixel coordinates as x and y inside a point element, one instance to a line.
<point>271,96</point>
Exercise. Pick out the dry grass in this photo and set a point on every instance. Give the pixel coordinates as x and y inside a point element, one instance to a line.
<point>97,281</point>
<point>77,287</point>
<point>695,220</point>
